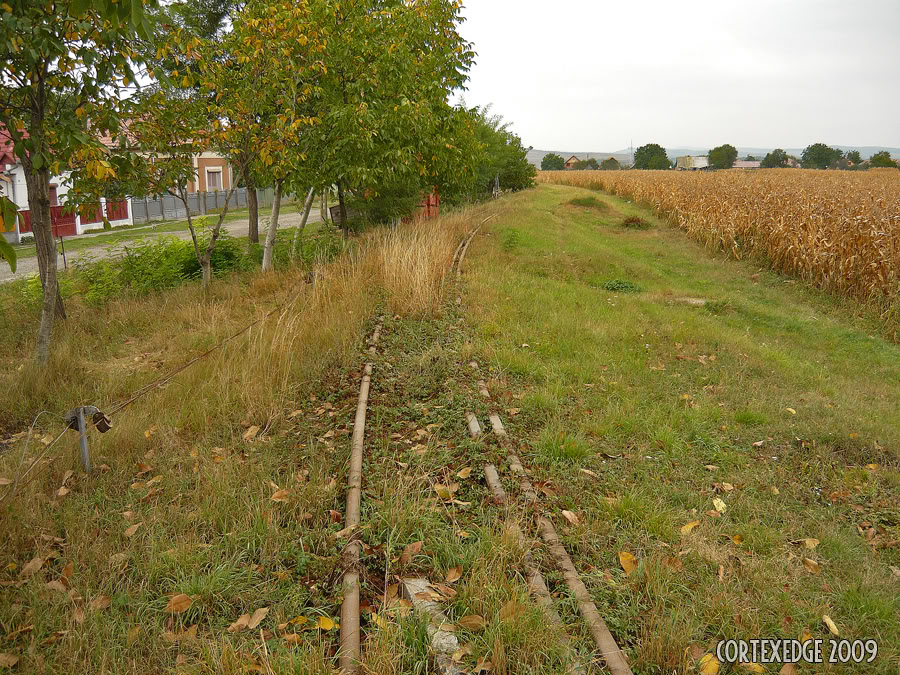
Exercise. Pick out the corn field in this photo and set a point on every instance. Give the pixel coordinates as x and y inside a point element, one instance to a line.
<point>837,230</point>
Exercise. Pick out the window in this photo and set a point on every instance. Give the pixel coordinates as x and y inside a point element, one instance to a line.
<point>214,179</point>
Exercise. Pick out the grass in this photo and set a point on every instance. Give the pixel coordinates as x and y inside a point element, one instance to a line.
<point>660,400</point>
<point>787,394</point>
<point>132,232</point>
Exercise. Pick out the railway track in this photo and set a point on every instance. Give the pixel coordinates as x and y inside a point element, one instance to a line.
<point>349,652</point>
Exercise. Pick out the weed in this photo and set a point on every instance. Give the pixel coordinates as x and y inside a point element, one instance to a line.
<point>590,203</point>
<point>511,239</point>
<point>621,286</point>
<point>635,223</point>
<point>750,418</point>
<point>718,306</point>
<point>555,444</point>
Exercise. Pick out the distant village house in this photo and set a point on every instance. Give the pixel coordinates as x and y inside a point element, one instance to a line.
<point>570,163</point>
<point>691,162</point>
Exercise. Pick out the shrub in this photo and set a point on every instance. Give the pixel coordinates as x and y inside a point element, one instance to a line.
<point>590,203</point>
<point>621,286</point>
<point>511,239</point>
<point>636,223</point>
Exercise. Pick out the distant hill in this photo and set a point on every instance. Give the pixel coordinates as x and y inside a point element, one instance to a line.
<point>624,156</point>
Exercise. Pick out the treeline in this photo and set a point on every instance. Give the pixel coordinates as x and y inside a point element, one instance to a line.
<point>350,96</point>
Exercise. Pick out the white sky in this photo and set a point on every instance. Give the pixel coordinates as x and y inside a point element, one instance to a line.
<point>592,75</point>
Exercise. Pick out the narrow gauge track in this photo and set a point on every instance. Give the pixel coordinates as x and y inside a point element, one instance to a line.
<point>349,654</point>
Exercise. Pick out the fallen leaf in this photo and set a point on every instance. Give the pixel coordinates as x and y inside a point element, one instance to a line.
<point>710,467</point>
<point>510,610</point>
<point>628,562</point>
<point>443,491</point>
<point>709,665</point>
<point>129,532</point>
<point>464,473</point>
<point>712,513</point>
<point>291,638</point>
<point>758,444</point>
<point>791,410</point>
<point>571,517</point>
<point>738,539</point>
<point>56,586</point>
<point>590,473</point>
<point>178,603</point>
<point>453,574</point>
<point>788,669</point>
<point>8,660</point>
<point>281,496</point>
<point>100,602</point>
<point>31,567</point>
<point>411,550</point>
<point>473,622</point>
<point>833,629</point>
<point>719,505</point>
<point>462,652</point>
<point>78,615</point>
<point>63,491</point>
<point>673,562</point>
<point>752,667</point>
<point>685,529</point>
<point>726,487</point>
<point>805,635</point>
<point>5,481</point>
<point>810,543</point>
<point>812,566</point>
<point>482,666</point>
<point>117,558</point>
<point>250,434</point>
<point>143,468</point>
<point>240,624</point>
<point>326,623</point>
<point>462,534</point>
<point>774,490</point>
<point>257,617</point>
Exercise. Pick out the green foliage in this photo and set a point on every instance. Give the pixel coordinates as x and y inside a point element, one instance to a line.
<point>621,286</point>
<point>610,164</point>
<point>556,444</point>
<point>552,162</point>
<point>503,155</point>
<point>651,154</point>
<point>777,159</point>
<point>820,156</point>
<point>590,203</point>
<point>636,223</point>
<point>723,156</point>
<point>9,214</point>
<point>882,159</point>
<point>854,157</point>
<point>589,163</point>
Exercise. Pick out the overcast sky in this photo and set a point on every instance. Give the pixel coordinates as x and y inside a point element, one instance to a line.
<point>591,76</point>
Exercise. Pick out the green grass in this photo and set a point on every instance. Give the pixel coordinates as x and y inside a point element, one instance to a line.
<point>787,393</point>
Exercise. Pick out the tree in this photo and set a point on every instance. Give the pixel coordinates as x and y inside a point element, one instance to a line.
<point>552,162</point>
<point>503,155</point>
<point>651,152</point>
<point>777,159</point>
<point>610,164</point>
<point>723,156</point>
<point>882,159</point>
<point>589,163</point>
<point>64,66</point>
<point>854,157</point>
<point>820,156</point>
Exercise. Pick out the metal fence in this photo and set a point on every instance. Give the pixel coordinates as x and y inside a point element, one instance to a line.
<point>168,207</point>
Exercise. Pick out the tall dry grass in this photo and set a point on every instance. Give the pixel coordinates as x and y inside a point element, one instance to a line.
<point>837,230</point>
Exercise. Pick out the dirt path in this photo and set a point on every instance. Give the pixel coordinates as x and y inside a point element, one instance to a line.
<point>28,266</point>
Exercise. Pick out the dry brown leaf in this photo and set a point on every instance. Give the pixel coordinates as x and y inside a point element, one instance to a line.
<point>57,586</point>
<point>100,602</point>
<point>511,610</point>
<point>5,481</point>
<point>31,567</point>
<point>453,574</point>
<point>8,660</point>
<point>411,550</point>
<point>726,487</point>
<point>63,491</point>
<point>143,468</point>
<point>686,528</point>
<point>281,496</point>
<point>738,539</point>
<point>774,490</point>
<point>805,635</point>
<point>129,532</point>
<point>78,615</point>
<point>719,505</point>
<point>812,566</point>
<point>482,666</point>
<point>257,617</point>
<point>251,433</point>
<point>571,517</point>
<point>710,467</point>
<point>461,653</point>
<point>241,623</point>
<point>810,543</point>
<point>464,473</point>
<point>628,562</point>
<point>673,562</point>
<point>473,622</point>
<point>832,627</point>
<point>590,473</point>
<point>178,603</point>
<point>788,669</point>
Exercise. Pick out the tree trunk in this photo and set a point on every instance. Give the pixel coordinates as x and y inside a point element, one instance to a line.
<point>253,208</point>
<point>343,206</point>
<point>307,206</point>
<point>269,250</point>
<point>38,186</point>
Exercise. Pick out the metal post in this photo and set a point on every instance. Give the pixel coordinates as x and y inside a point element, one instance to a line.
<point>82,429</point>
<point>63,244</point>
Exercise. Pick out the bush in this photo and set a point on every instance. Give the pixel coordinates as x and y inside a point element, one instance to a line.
<point>511,239</point>
<point>621,286</point>
<point>636,222</point>
<point>590,203</point>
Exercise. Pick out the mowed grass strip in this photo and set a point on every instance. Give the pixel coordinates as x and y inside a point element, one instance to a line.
<point>654,384</point>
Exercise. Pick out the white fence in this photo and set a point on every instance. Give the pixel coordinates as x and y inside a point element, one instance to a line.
<point>171,208</point>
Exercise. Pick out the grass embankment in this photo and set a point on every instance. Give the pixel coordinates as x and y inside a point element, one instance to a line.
<point>699,379</point>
